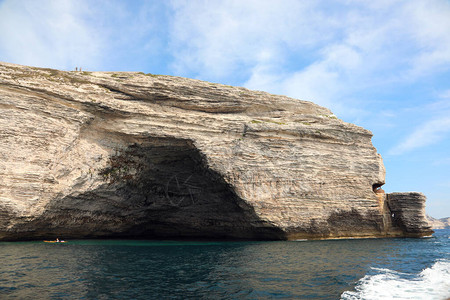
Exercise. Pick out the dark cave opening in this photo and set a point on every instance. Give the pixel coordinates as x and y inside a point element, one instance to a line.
<point>155,188</point>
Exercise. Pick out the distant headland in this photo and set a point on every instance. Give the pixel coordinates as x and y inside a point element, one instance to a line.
<point>442,223</point>
<point>134,155</point>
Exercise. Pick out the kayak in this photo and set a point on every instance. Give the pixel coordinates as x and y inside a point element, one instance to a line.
<point>54,241</point>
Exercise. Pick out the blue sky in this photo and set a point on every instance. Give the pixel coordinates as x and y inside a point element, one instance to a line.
<point>383,65</point>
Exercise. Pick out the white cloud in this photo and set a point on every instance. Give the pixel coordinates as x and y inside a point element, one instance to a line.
<point>427,134</point>
<point>442,105</point>
<point>95,35</point>
<point>435,130</point>
<point>47,33</point>
<point>430,29</point>
<point>312,49</point>
<point>371,54</point>
<point>217,39</point>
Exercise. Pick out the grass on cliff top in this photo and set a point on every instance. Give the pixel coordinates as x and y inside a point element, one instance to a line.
<point>130,75</point>
<point>333,117</point>
<point>49,74</point>
<point>54,75</point>
<point>149,74</point>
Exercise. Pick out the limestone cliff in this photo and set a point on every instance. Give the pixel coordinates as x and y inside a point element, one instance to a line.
<point>443,223</point>
<point>103,154</point>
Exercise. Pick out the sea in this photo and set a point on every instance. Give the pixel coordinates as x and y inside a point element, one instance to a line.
<point>400,268</point>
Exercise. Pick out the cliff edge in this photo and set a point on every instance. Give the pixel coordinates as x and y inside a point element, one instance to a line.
<point>119,154</point>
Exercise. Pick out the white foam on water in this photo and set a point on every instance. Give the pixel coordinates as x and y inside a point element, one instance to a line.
<point>432,283</point>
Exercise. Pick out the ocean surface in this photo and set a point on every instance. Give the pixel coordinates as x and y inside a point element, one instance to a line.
<point>130,269</point>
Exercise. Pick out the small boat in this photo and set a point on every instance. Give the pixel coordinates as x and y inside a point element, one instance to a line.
<point>54,241</point>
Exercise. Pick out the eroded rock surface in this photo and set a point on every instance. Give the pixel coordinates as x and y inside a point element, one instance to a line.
<point>104,154</point>
<point>408,212</point>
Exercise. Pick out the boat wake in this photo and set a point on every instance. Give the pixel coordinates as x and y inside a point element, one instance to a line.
<point>431,283</point>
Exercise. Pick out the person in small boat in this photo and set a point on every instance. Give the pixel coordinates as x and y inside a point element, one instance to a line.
<point>57,240</point>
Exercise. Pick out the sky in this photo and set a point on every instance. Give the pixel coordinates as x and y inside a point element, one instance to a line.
<point>383,65</point>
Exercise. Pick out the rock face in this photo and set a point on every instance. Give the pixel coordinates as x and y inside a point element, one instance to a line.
<point>408,212</point>
<point>103,154</point>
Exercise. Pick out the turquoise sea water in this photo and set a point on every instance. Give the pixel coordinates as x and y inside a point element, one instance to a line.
<point>334,269</point>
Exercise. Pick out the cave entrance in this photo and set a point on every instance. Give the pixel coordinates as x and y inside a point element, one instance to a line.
<point>170,192</point>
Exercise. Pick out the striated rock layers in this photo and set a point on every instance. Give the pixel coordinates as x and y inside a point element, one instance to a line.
<point>103,154</point>
<point>407,212</point>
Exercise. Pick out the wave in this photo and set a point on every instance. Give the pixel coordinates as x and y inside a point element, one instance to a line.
<point>431,283</point>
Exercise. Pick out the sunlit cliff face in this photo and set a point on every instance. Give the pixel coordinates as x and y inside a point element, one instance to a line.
<point>127,154</point>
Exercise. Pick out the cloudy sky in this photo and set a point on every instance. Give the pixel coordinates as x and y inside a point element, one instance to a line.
<point>383,65</point>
